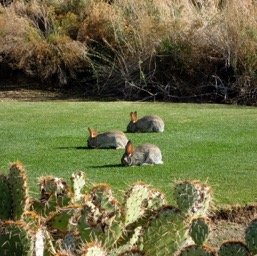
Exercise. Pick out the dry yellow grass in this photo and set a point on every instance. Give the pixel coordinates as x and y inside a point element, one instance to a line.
<point>132,40</point>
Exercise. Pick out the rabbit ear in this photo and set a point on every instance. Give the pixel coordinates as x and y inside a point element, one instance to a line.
<point>133,116</point>
<point>129,148</point>
<point>92,133</point>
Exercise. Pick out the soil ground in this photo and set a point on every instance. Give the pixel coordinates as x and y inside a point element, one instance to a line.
<point>27,95</point>
<point>228,223</point>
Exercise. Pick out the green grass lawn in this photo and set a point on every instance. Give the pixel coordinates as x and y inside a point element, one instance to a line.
<point>214,143</point>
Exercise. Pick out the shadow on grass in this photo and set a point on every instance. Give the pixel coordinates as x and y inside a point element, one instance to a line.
<point>85,148</point>
<point>107,166</point>
<point>78,148</point>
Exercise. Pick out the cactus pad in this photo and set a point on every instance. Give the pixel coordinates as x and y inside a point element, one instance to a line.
<point>50,185</point>
<point>19,190</point>
<point>60,220</point>
<point>251,237</point>
<point>155,200</point>
<point>195,250</point>
<point>15,238</point>
<point>89,223</point>
<point>235,248</point>
<point>131,244</point>
<point>69,243</point>
<point>199,230</point>
<point>5,198</point>
<point>102,197</point>
<point>133,202</point>
<point>77,184</point>
<point>165,233</point>
<point>192,197</point>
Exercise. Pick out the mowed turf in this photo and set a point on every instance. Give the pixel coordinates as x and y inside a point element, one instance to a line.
<point>214,143</point>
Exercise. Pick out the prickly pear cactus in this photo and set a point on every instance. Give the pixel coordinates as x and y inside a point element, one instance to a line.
<point>19,190</point>
<point>32,219</point>
<point>166,232</point>
<point>43,245</point>
<point>102,197</point>
<point>39,243</point>
<point>251,237</point>
<point>199,230</point>
<point>5,198</point>
<point>90,224</point>
<point>134,202</point>
<point>192,197</point>
<point>60,220</point>
<point>70,243</point>
<point>77,184</point>
<point>130,245</point>
<point>156,199</point>
<point>195,250</point>
<point>93,249</point>
<point>235,248</point>
<point>54,194</point>
<point>132,253</point>
<point>15,238</point>
<point>51,185</point>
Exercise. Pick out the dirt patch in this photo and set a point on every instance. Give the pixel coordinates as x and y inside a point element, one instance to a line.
<point>222,231</point>
<point>230,223</point>
<point>27,95</point>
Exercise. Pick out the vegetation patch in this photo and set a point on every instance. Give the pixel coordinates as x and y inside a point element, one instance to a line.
<point>171,51</point>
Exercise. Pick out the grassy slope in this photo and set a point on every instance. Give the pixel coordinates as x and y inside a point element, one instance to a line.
<point>207,142</point>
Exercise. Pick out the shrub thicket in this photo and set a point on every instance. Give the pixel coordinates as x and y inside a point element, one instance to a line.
<point>168,50</point>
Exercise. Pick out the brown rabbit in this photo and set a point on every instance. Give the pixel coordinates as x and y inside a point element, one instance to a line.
<point>109,139</point>
<point>151,123</point>
<point>145,154</point>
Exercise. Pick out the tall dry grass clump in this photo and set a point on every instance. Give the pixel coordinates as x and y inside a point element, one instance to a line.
<point>33,41</point>
<point>172,50</point>
<point>125,39</point>
<point>242,46</point>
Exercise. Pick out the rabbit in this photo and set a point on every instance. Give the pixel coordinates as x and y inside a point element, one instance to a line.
<point>145,154</point>
<point>109,139</point>
<point>150,123</point>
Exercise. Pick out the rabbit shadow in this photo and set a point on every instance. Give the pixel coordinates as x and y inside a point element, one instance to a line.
<point>106,166</point>
<point>86,148</point>
<point>77,148</point>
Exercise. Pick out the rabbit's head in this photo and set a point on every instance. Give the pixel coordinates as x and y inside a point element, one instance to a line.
<point>132,124</point>
<point>91,142</point>
<point>127,156</point>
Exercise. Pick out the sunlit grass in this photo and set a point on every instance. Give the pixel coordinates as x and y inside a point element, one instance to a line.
<point>214,143</point>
